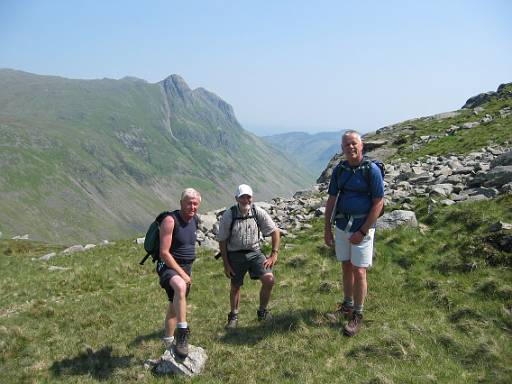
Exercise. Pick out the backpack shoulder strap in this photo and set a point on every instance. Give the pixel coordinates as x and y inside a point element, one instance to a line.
<point>233,218</point>
<point>253,208</point>
<point>339,172</point>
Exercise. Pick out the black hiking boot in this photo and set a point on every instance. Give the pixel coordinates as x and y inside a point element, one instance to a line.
<point>181,336</point>
<point>263,315</point>
<point>232,320</point>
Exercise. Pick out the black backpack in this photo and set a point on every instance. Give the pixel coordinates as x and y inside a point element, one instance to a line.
<point>365,166</point>
<point>234,211</point>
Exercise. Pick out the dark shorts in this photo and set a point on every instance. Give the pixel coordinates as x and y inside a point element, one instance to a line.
<point>166,274</point>
<point>247,261</point>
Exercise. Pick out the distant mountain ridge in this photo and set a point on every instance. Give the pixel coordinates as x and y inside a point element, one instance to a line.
<point>94,159</point>
<point>315,151</point>
<point>311,150</point>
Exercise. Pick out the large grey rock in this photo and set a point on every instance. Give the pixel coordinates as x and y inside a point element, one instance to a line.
<point>207,221</point>
<point>503,159</point>
<point>47,257</point>
<point>443,190</point>
<point>21,237</point>
<point>397,218</point>
<point>210,244</point>
<point>169,363</point>
<point>73,249</point>
<point>498,176</point>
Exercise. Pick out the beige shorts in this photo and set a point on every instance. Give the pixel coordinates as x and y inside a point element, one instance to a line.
<point>361,254</point>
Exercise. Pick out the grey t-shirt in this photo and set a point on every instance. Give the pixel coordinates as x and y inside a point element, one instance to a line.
<point>244,235</point>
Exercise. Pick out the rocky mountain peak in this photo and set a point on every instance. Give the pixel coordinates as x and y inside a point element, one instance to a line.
<point>175,85</point>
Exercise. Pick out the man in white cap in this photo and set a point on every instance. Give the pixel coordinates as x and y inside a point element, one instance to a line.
<point>239,242</point>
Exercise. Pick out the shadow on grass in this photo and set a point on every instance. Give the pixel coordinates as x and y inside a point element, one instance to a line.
<point>100,364</point>
<point>150,336</point>
<point>279,324</point>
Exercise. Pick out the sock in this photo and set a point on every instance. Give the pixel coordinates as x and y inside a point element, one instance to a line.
<point>234,311</point>
<point>358,309</point>
<point>262,309</point>
<point>182,325</point>
<point>348,302</point>
<point>168,340</point>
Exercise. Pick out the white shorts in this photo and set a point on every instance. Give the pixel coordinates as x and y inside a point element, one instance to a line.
<point>360,254</point>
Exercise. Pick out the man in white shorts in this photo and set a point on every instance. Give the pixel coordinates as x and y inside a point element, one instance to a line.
<point>356,199</point>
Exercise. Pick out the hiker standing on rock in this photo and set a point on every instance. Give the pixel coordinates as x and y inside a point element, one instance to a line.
<point>239,243</point>
<point>356,199</point>
<point>177,253</point>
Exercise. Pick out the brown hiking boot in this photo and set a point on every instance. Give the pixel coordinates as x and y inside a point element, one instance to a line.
<point>181,336</point>
<point>353,325</point>
<point>232,320</point>
<point>341,312</point>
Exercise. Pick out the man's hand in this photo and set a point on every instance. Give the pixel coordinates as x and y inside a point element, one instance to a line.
<point>269,263</point>
<point>328,237</point>
<point>186,278</point>
<point>356,237</point>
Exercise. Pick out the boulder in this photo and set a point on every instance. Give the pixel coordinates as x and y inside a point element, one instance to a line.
<point>397,218</point>
<point>21,237</point>
<point>48,256</point>
<point>503,159</point>
<point>498,176</point>
<point>170,363</point>
<point>207,221</point>
<point>73,249</point>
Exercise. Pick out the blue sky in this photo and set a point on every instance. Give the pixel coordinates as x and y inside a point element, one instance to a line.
<point>283,65</point>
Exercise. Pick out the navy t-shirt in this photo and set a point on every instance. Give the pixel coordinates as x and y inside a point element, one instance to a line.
<point>357,196</point>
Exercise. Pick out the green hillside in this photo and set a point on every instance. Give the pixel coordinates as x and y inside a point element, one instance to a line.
<point>429,317</point>
<point>84,160</point>
<point>486,120</point>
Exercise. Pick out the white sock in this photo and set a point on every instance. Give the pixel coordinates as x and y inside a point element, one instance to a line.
<point>168,341</point>
<point>182,325</point>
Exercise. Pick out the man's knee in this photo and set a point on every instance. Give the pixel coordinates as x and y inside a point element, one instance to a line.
<point>359,273</point>
<point>268,280</point>
<point>178,285</point>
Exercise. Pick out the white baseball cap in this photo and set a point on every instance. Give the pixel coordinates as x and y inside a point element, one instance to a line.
<point>243,189</point>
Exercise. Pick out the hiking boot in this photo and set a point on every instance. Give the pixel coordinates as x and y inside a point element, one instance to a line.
<point>181,338</point>
<point>342,312</point>
<point>232,320</point>
<point>353,325</point>
<point>264,315</point>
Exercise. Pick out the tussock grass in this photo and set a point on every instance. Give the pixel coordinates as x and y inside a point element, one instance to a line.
<point>426,319</point>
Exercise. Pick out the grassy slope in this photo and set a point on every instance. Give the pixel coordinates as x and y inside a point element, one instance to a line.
<point>94,159</point>
<point>497,131</point>
<point>429,318</point>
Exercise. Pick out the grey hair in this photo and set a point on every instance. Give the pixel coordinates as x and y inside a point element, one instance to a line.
<point>351,132</point>
<point>190,193</point>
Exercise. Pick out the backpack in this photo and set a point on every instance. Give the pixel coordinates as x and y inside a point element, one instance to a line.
<point>152,240</point>
<point>234,218</point>
<point>366,166</point>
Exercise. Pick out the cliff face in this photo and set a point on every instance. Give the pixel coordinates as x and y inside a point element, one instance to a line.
<point>94,159</point>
